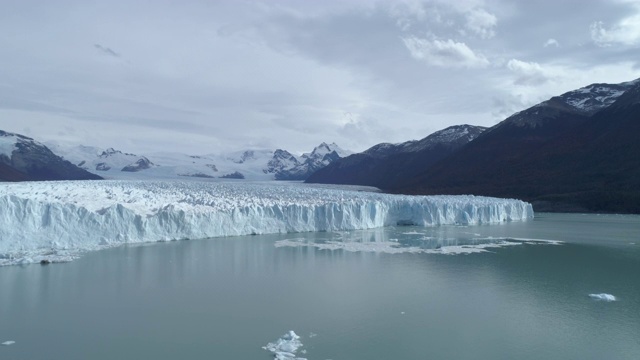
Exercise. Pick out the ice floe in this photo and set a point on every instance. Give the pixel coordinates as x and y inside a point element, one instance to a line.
<point>286,347</point>
<point>453,247</point>
<point>603,297</point>
<point>7,343</point>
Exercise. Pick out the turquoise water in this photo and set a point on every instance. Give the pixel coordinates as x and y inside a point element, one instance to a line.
<point>226,298</point>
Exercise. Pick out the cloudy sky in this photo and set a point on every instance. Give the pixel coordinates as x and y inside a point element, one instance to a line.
<point>205,76</point>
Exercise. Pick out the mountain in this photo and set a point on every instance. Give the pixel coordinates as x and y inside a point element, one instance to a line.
<point>94,159</point>
<point>575,152</point>
<point>281,160</point>
<point>24,159</point>
<point>321,156</point>
<point>383,165</point>
<point>253,164</point>
<point>141,164</point>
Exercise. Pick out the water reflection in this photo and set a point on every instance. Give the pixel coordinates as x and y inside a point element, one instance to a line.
<point>225,298</point>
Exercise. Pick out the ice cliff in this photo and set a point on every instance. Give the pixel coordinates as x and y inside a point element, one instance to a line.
<point>43,220</point>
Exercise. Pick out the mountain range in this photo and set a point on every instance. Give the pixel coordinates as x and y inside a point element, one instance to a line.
<point>24,159</point>
<point>384,165</point>
<point>575,152</point>
<point>578,151</point>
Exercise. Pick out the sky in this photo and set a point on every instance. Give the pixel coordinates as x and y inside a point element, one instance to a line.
<point>200,77</point>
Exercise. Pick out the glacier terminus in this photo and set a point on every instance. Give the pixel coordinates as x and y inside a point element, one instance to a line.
<point>57,221</point>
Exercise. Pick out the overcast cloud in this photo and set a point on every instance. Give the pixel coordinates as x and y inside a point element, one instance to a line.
<point>209,76</point>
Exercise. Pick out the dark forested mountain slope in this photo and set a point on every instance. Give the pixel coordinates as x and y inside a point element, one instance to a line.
<point>22,158</point>
<point>558,155</point>
<point>385,164</point>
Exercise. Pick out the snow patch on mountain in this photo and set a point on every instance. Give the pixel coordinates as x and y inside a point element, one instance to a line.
<point>582,102</point>
<point>447,136</point>
<point>8,142</point>
<point>595,97</point>
<point>451,135</point>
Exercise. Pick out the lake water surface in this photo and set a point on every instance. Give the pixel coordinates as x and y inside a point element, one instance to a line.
<point>378,294</point>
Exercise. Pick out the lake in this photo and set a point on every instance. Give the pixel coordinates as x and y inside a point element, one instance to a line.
<point>379,294</point>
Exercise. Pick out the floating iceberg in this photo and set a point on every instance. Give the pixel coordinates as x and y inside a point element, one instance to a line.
<point>55,220</point>
<point>603,297</point>
<point>286,347</point>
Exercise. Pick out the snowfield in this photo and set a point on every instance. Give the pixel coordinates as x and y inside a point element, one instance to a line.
<point>56,221</point>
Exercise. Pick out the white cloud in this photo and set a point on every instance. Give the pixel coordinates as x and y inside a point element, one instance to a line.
<point>408,9</point>
<point>482,23</point>
<point>599,34</point>
<point>444,53</point>
<point>552,42</point>
<point>624,32</point>
<point>285,72</point>
<point>528,73</point>
<point>414,13</point>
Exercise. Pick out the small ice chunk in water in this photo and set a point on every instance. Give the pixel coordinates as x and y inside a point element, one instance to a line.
<point>286,347</point>
<point>7,343</point>
<point>603,297</point>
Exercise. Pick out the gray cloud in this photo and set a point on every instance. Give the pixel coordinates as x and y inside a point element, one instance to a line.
<point>203,77</point>
<point>625,32</point>
<point>481,22</point>
<point>528,73</point>
<point>106,50</point>
<point>444,53</point>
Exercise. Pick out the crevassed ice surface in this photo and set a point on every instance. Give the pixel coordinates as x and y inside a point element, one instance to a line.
<point>59,219</point>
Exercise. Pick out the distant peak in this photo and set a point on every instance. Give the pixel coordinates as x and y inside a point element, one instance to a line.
<point>324,148</point>
<point>7,134</point>
<point>594,97</point>
<point>329,147</point>
<point>455,132</point>
<point>110,151</point>
<point>631,83</point>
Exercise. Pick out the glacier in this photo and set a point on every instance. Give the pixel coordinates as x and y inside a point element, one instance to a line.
<point>57,221</point>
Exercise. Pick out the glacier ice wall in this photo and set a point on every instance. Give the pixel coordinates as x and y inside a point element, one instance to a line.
<point>53,217</point>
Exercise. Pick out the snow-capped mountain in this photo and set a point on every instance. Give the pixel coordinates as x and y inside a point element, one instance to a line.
<point>281,160</point>
<point>321,156</point>
<point>382,164</point>
<point>595,97</point>
<point>579,104</point>
<point>93,159</point>
<point>452,135</point>
<point>254,164</point>
<point>574,152</point>
<point>22,158</point>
